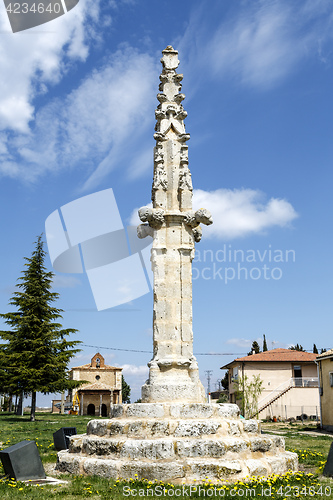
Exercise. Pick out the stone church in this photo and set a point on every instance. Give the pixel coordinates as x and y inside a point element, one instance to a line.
<point>102,389</point>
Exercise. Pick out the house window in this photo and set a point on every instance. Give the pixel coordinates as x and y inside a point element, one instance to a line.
<point>97,377</point>
<point>298,375</point>
<point>331,379</point>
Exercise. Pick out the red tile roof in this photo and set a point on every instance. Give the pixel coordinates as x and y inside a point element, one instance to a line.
<point>97,386</point>
<point>327,354</point>
<point>101,368</point>
<point>279,355</point>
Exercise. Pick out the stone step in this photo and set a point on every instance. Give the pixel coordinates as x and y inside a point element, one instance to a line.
<point>184,471</point>
<point>173,448</point>
<point>175,410</point>
<point>150,428</point>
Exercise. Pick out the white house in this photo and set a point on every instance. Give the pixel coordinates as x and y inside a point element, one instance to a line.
<point>290,382</point>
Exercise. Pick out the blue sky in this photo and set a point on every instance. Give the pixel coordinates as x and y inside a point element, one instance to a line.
<point>77,101</point>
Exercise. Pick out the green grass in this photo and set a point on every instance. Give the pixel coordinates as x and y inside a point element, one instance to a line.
<point>305,484</point>
<point>312,450</point>
<point>14,429</point>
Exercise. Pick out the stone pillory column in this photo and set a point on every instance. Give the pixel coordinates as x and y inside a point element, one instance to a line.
<point>173,370</point>
<point>173,435</point>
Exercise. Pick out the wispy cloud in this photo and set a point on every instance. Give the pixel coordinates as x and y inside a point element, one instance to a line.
<point>258,44</point>
<point>239,342</point>
<point>238,212</point>
<point>33,61</point>
<point>100,124</point>
<point>140,371</point>
<point>242,212</point>
<point>135,376</point>
<point>91,126</point>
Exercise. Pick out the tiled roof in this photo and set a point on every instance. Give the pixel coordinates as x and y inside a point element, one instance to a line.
<point>324,354</point>
<point>280,355</point>
<point>97,386</point>
<point>101,368</point>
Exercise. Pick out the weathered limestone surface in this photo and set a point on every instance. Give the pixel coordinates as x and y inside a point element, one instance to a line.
<point>176,442</point>
<point>174,435</point>
<point>173,371</point>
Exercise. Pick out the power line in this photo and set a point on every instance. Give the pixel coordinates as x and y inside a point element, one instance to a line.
<point>150,352</point>
<point>114,348</point>
<point>219,353</point>
<point>208,375</point>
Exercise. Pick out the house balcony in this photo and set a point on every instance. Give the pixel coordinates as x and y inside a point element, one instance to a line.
<point>305,382</point>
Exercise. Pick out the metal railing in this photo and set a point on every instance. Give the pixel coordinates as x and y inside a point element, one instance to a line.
<point>288,384</point>
<point>305,382</point>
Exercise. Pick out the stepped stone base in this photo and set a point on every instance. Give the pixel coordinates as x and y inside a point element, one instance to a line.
<point>176,442</point>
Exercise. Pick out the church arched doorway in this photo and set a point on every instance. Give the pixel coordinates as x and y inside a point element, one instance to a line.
<point>104,410</point>
<point>91,409</point>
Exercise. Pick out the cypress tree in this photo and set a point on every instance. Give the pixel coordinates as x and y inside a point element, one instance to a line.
<point>255,347</point>
<point>264,345</point>
<point>225,381</point>
<point>296,348</point>
<point>126,390</point>
<point>36,353</point>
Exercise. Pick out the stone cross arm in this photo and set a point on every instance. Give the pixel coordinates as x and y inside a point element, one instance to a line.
<point>154,218</point>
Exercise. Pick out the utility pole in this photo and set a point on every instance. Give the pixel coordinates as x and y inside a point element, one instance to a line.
<point>208,375</point>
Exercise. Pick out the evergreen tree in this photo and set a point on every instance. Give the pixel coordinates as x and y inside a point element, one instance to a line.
<point>255,347</point>
<point>225,381</point>
<point>126,390</point>
<point>264,344</point>
<point>296,348</point>
<point>315,350</point>
<point>322,350</point>
<point>8,387</point>
<point>36,352</point>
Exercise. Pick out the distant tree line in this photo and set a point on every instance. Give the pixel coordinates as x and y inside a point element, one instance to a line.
<point>255,348</point>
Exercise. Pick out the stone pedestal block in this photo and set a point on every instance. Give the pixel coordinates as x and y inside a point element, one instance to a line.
<point>176,442</point>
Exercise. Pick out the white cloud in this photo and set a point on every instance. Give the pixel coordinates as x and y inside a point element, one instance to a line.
<point>135,376</point>
<point>237,212</point>
<point>259,43</point>
<point>256,49</point>
<point>34,59</point>
<point>98,123</point>
<point>133,219</point>
<point>140,371</point>
<point>242,212</point>
<point>240,342</point>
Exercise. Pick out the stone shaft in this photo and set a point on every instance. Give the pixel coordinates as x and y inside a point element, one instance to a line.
<point>173,371</point>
